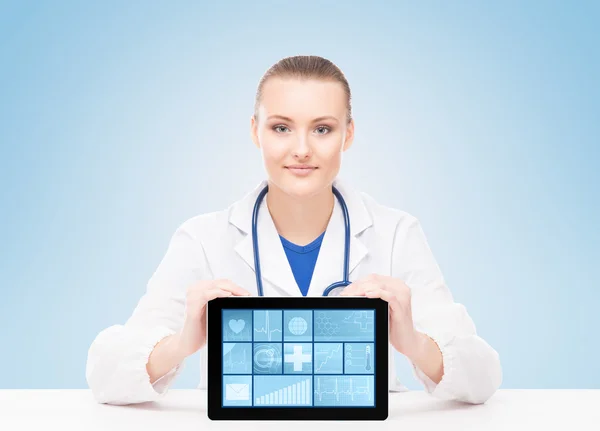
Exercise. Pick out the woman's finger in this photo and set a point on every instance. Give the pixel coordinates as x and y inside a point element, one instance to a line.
<point>348,290</point>
<point>387,296</point>
<point>216,292</point>
<point>359,288</point>
<point>232,287</point>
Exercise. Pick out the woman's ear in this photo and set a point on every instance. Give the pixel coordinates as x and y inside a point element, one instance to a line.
<point>349,135</point>
<point>254,131</point>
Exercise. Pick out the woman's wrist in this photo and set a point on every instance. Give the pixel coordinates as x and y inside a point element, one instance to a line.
<point>177,348</point>
<point>416,348</point>
<point>165,356</point>
<point>426,355</point>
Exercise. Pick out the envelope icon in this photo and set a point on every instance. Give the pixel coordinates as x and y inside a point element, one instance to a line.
<point>237,391</point>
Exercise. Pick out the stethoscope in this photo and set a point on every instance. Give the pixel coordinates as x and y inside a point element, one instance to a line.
<point>335,285</point>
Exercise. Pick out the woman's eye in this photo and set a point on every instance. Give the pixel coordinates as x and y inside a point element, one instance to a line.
<point>322,130</point>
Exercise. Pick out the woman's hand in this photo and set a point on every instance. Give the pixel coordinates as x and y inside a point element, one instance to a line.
<point>172,350</point>
<point>403,335</point>
<point>192,336</point>
<point>416,346</point>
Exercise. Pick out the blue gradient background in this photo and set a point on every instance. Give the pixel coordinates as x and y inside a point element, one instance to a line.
<point>120,120</point>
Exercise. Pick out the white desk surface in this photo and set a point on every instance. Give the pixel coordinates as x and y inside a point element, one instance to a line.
<point>183,410</point>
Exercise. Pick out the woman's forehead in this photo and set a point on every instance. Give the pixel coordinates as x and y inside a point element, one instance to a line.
<point>295,97</point>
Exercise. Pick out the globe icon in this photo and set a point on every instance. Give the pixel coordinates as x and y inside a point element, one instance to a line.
<point>298,326</point>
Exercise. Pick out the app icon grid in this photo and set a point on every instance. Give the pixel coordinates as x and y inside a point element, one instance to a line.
<point>298,358</point>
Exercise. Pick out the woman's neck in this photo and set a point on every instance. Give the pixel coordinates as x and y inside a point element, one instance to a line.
<point>300,221</point>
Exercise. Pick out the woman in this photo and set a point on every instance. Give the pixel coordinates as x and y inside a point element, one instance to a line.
<point>302,124</point>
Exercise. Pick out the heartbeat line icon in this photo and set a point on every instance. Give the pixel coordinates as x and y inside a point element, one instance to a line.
<point>267,329</point>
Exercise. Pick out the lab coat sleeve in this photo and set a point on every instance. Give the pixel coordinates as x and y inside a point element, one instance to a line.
<point>472,370</point>
<point>116,365</point>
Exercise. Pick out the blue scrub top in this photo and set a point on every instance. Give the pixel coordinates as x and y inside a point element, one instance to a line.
<point>302,259</point>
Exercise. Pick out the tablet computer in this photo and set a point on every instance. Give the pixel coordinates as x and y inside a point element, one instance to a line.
<point>293,358</point>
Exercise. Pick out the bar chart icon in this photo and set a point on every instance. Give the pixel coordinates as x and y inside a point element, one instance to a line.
<point>283,391</point>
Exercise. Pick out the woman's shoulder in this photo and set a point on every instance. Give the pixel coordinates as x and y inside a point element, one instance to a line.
<point>217,223</point>
<point>198,225</point>
<point>386,210</point>
<point>379,211</point>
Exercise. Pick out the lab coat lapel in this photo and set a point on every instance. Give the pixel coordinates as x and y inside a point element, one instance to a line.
<point>275,267</point>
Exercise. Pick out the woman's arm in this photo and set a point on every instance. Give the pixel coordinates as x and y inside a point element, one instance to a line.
<point>471,370</point>
<point>117,362</point>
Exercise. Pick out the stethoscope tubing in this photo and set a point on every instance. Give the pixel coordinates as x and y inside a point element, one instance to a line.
<point>345,282</point>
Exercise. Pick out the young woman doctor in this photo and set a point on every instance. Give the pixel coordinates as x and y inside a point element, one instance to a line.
<point>302,124</point>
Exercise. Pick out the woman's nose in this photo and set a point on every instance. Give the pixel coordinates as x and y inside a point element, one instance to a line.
<point>302,147</point>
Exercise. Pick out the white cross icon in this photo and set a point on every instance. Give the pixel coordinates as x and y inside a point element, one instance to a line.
<point>298,358</point>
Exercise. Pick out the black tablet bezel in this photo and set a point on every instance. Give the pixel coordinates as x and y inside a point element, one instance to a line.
<point>215,363</point>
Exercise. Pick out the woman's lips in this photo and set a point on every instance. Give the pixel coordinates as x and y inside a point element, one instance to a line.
<point>301,172</point>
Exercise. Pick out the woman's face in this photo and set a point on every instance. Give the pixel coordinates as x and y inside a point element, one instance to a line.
<point>302,124</point>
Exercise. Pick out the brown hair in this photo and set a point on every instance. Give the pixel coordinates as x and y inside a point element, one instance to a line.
<point>305,67</point>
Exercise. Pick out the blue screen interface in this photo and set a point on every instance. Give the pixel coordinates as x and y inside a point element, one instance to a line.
<point>298,358</point>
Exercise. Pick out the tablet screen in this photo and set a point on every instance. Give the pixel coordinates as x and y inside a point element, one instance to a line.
<point>298,358</point>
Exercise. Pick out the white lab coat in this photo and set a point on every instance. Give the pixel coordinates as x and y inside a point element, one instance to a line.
<point>219,245</point>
